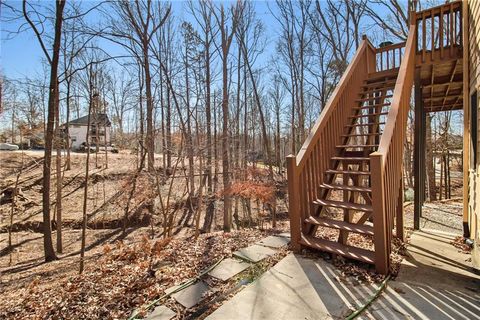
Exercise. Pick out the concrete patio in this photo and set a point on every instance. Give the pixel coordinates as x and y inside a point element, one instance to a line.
<point>435,282</point>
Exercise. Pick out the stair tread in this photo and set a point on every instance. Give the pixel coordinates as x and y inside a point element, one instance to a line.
<point>351,158</point>
<point>344,205</point>
<point>391,74</point>
<point>364,124</point>
<point>341,225</point>
<point>369,115</point>
<point>345,187</point>
<point>331,171</point>
<point>374,82</point>
<point>338,248</point>
<point>357,145</point>
<point>362,134</point>
<point>374,98</point>
<point>371,106</point>
<point>375,90</point>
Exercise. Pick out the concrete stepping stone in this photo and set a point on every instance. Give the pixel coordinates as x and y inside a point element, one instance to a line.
<point>274,241</point>
<point>228,268</point>
<point>254,253</point>
<point>191,295</point>
<point>161,313</point>
<point>284,234</point>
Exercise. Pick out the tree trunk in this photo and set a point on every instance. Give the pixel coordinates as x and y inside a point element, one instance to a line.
<point>150,142</point>
<point>58,163</point>
<point>52,106</point>
<point>227,219</point>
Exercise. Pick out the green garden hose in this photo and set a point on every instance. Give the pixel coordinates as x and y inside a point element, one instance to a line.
<point>357,312</point>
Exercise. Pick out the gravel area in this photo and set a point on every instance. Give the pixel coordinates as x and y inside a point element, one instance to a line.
<point>444,216</point>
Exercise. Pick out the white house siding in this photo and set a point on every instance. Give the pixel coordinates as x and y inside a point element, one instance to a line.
<point>78,135</point>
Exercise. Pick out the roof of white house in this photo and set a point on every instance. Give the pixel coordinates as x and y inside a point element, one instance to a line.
<point>98,118</point>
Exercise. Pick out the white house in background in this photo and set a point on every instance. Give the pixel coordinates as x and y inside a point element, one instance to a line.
<point>100,127</point>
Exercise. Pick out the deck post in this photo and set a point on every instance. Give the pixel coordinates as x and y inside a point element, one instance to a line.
<point>380,240</point>
<point>419,153</point>
<point>293,202</point>
<point>399,214</point>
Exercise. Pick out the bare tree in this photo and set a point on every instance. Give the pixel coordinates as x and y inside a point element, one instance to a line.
<point>136,24</point>
<point>226,36</point>
<point>53,101</point>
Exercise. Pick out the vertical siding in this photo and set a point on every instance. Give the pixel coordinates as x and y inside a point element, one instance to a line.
<point>474,85</point>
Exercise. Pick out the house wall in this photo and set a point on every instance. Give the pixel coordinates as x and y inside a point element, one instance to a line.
<point>78,135</point>
<point>474,86</point>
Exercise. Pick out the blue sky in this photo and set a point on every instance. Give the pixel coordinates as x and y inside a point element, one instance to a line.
<point>20,56</point>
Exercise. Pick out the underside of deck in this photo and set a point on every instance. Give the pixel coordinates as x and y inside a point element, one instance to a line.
<point>442,83</point>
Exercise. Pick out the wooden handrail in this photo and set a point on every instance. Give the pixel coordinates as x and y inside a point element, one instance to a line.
<point>391,47</point>
<point>389,57</point>
<point>306,170</point>
<point>456,6</point>
<point>333,102</point>
<point>386,162</point>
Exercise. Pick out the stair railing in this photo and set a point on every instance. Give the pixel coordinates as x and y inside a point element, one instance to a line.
<point>306,170</point>
<point>386,162</point>
<point>439,32</point>
<point>390,57</point>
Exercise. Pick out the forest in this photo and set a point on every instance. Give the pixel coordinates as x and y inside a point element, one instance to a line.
<point>202,102</point>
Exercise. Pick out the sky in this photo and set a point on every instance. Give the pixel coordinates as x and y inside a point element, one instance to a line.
<point>21,54</point>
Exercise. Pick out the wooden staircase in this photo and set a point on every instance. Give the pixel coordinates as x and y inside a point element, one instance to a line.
<point>345,182</point>
<point>344,202</point>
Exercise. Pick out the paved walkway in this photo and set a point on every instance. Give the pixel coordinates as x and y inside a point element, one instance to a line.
<point>434,283</point>
<point>192,293</point>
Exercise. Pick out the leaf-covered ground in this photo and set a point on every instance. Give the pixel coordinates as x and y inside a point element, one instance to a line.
<point>119,277</point>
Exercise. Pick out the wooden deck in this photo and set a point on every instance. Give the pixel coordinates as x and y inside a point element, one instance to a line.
<point>439,57</point>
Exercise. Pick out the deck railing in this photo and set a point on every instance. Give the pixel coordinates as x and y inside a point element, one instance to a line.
<point>439,31</point>
<point>386,162</point>
<point>389,57</point>
<point>306,170</point>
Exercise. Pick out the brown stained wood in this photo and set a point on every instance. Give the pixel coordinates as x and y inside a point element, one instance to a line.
<point>369,114</point>
<point>325,156</point>
<point>375,90</point>
<point>400,232</point>
<point>351,172</point>
<point>351,159</point>
<point>294,203</point>
<point>363,255</point>
<point>341,225</point>
<point>357,146</point>
<point>379,84</point>
<point>424,36</point>
<point>371,98</point>
<point>440,31</point>
<point>365,124</point>
<point>432,35</point>
<point>382,75</point>
<point>345,187</point>
<point>362,134</point>
<point>354,69</point>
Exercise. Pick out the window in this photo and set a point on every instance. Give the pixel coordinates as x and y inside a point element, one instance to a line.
<point>473,130</point>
